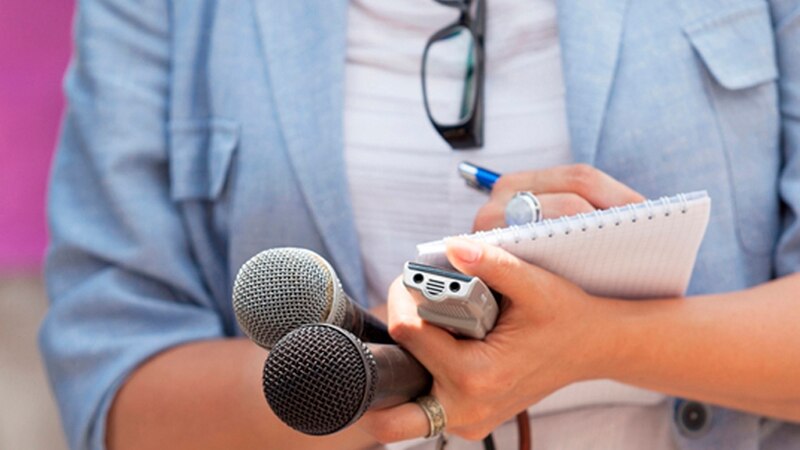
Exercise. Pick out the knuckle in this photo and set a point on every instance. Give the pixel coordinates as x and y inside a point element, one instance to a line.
<point>400,330</point>
<point>507,267</point>
<point>504,183</point>
<point>480,224</point>
<point>493,385</point>
<point>460,379</point>
<point>484,213</point>
<point>472,387</point>
<point>573,204</point>
<point>583,177</point>
<point>476,386</point>
<point>486,218</point>
<point>465,381</point>
<point>479,413</point>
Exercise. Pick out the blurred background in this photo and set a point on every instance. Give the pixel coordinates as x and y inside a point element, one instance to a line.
<point>34,51</point>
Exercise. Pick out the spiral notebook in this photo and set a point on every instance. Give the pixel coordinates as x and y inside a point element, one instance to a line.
<point>642,250</point>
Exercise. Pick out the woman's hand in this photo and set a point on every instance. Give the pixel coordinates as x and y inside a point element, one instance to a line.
<point>561,190</point>
<point>545,338</point>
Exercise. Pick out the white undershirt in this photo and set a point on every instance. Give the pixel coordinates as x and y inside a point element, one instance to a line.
<point>402,176</point>
<point>403,180</point>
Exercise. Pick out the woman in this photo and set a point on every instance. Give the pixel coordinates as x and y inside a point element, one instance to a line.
<point>199,133</point>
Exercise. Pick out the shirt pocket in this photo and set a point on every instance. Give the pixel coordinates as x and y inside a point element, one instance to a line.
<point>200,157</point>
<point>736,46</point>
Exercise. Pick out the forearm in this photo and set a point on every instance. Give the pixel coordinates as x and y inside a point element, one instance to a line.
<point>740,349</point>
<point>207,395</point>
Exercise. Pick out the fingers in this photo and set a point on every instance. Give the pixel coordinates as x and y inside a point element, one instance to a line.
<point>557,205</point>
<point>561,190</point>
<point>598,188</point>
<point>453,363</point>
<point>499,269</point>
<point>399,423</point>
<point>431,345</point>
<point>492,215</point>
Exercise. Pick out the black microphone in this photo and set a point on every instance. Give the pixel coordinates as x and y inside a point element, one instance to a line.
<point>281,289</point>
<point>320,378</point>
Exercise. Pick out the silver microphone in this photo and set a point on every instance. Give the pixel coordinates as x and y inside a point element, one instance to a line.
<point>281,289</point>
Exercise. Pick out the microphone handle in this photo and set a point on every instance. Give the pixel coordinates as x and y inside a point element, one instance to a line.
<point>401,377</point>
<point>364,325</point>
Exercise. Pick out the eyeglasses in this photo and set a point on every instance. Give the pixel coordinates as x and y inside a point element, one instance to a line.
<point>453,68</point>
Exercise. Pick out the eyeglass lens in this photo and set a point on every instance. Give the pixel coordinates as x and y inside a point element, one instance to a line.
<point>450,77</point>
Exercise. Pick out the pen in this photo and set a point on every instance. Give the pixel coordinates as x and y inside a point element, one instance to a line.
<point>477,177</point>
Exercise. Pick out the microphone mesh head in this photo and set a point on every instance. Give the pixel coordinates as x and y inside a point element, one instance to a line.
<point>280,289</point>
<point>319,379</point>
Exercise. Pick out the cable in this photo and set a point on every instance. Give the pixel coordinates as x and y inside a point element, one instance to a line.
<point>488,442</point>
<point>524,430</point>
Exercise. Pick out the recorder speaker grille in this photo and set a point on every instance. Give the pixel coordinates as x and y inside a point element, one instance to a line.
<point>434,287</point>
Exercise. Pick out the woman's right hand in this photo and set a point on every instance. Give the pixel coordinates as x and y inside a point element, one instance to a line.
<point>561,190</point>
<point>549,334</point>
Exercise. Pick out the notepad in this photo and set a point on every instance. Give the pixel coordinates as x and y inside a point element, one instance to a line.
<point>642,250</point>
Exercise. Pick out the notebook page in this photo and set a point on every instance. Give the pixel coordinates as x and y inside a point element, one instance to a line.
<point>642,250</point>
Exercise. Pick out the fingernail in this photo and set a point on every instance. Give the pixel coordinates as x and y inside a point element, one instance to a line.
<point>464,249</point>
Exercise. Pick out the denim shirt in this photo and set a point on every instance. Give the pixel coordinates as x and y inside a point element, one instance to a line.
<point>199,133</point>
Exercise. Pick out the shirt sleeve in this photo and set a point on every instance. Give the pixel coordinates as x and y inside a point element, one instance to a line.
<point>786,19</point>
<point>119,270</point>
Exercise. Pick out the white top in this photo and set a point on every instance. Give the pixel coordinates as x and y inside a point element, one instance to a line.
<point>402,176</point>
<point>403,180</point>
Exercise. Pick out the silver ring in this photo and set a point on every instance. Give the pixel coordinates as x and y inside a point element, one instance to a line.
<point>434,411</point>
<point>523,208</point>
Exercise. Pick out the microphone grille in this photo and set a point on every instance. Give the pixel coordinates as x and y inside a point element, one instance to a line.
<point>319,379</point>
<point>281,289</point>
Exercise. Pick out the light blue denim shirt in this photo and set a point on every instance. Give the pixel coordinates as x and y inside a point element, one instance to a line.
<point>199,133</point>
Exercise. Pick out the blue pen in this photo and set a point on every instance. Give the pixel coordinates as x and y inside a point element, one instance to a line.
<point>477,177</point>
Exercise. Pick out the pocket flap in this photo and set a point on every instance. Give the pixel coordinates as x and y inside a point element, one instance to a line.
<point>736,45</point>
<point>200,155</point>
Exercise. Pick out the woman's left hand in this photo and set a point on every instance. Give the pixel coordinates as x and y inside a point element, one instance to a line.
<point>562,191</point>
<point>545,338</point>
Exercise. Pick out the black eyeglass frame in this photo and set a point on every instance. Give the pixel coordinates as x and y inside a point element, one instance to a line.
<point>468,132</point>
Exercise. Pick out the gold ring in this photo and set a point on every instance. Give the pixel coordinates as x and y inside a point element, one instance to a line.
<point>437,419</point>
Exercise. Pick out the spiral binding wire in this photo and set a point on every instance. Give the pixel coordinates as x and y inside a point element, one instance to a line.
<point>634,216</point>
<point>633,213</point>
<point>565,221</point>
<point>684,202</point>
<point>597,218</point>
<point>587,223</point>
<point>649,204</point>
<point>583,218</point>
<point>617,213</point>
<point>515,230</point>
<point>663,206</point>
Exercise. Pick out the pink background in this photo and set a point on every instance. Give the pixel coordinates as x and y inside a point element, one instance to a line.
<point>34,51</point>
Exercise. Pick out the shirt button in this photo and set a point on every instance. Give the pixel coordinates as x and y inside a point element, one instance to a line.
<point>693,418</point>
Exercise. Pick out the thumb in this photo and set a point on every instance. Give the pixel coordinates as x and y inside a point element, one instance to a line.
<point>499,269</point>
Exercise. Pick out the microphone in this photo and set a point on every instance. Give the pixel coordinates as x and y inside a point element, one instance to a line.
<point>281,289</point>
<point>320,378</point>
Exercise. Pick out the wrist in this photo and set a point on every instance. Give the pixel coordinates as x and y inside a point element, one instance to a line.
<point>607,339</point>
